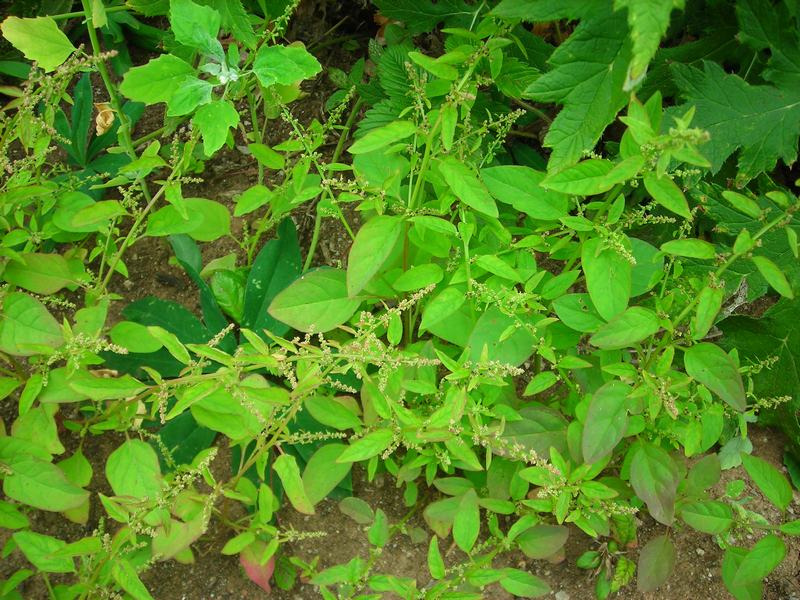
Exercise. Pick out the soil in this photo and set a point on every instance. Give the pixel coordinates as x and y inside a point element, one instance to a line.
<point>215,576</point>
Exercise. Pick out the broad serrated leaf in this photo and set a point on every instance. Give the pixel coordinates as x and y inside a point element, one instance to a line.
<point>424,15</point>
<point>588,72</point>
<point>761,121</point>
<point>38,39</point>
<point>213,121</point>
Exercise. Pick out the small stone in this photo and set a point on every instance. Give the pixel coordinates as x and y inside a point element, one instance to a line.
<point>562,595</point>
<point>700,552</point>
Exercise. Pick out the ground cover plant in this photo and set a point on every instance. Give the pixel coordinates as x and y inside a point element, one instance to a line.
<point>565,299</point>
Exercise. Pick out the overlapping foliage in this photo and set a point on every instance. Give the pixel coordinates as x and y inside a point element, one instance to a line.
<point>564,208</point>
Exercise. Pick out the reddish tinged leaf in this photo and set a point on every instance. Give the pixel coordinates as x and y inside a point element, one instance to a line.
<point>258,574</point>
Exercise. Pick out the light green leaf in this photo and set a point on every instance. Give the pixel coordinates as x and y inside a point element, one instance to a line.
<point>372,246</point>
<point>127,578</point>
<point>207,220</point>
<point>608,277</point>
<point>38,39</point>
<point>368,446</point>
<point>690,248</point>
<point>384,136</point>
<point>710,517</point>
<point>27,327</point>
<point>626,329</point>
<point>323,473</point>
<point>769,480</point>
<point>587,78</point>
<point>524,584</point>
<point>708,306</point>
<point>39,549</point>
<point>42,485</point>
<point>712,367</point>
<point>157,80</point>
<point>664,191</point>
<point>467,521</point>
<point>40,273</point>
<point>284,65</point>
<point>196,26</point>
<point>213,120</point>
<point>193,92</point>
<point>444,304</point>
<point>288,472</point>
<point>133,470</point>
<point>466,186</point>
<point>774,276</point>
<point>418,277</point>
<point>317,301</point>
<point>760,561</point>
<point>435,562</point>
<point>497,266</point>
<point>593,176</point>
<point>606,421</point>
<point>521,188</point>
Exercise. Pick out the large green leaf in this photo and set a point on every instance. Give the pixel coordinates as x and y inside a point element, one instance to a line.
<point>133,470</point>
<point>40,273</point>
<point>606,421</point>
<point>157,80</point>
<point>608,277</point>
<point>196,26</point>
<point>626,329</point>
<point>207,220</point>
<point>466,186</point>
<point>284,65</point>
<point>656,561</point>
<point>520,187</point>
<point>588,73</point>
<point>655,478</point>
<point>317,301</point>
<point>38,39</point>
<point>762,121</point>
<point>213,120</point>
<point>424,15</point>
<point>41,484</point>
<point>711,366</point>
<point>372,246</point>
<point>26,327</point>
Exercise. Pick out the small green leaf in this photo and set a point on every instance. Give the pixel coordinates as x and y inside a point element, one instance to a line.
<point>667,194</point>
<point>39,549</point>
<point>467,522</point>
<point>656,562</point>
<point>126,576</point>
<point>466,186</point>
<point>626,329</point>
<point>769,480</point>
<point>774,276</point>
<point>287,470</point>
<point>584,179</point>
<point>523,584</point>
<point>435,561</point>
<point>368,446</point>
<point>196,26</point>
<point>157,80</point>
<point>760,561</point>
<point>711,366</point>
<point>284,65</point>
<point>689,248</point>
<point>213,121</point>
<point>323,473</point>
<point>608,278</point>
<point>238,543</point>
<point>38,39</point>
<point>709,304</point>
<point>133,470</point>
<point>40,484</point>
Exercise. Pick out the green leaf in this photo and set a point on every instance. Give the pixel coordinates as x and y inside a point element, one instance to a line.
<point>384,136</point>
<point>542,541</point>
<point>11,517</point>
<point>42,485</point>
<point>438,68</point>
<point>267,157</point>
<point>156,81</point>
<point>664,191</point>
<point>213,121</point>
<point>357,509</point>
<point>606,421</point>
<point>524,584</point>
<point>467,521</point>
<point>288,472</point>
<point>488,333</point>
<point>444,304</point>
<point>193,92</point>
<point>133,470</point>
<point>435,562</point>
<point>466,186</point>
<point>731,562</point>
<point>521,188</point>
<point>711,366</point>
<point>708,306</point>
<point>774,276</point>
<point>648,21</point>
<point>608,277</point>
<point>127,578</point>
<point>238,543</point>
<point>38,39</point>
<point>134,337</point>
<point>368,446</point>
<point>27,328</point>
<point>655,478</point>
<point>497,266</point>
<point>323,473</point>
<point>710,517</point>
<point>689,248</point>
<point>207,220</point>
<point>104,388</point>
<point>760,561</point>
<point>589,69</point>
<point>626,329</point>
<point>196,26</point>
<point>769,480</point>
<point>656,562</point>
<point>577,312</point>
<point>762,121</point>
<point>39,549</point>
<point>284,65</point>
<point>418,277</point>
<point>424,15</point>
<point>317,301</point>
<point>372,246</point>
<point>40,273</point>
<point>593,176</point>
<point>534,12</point>
<point>235,19</point>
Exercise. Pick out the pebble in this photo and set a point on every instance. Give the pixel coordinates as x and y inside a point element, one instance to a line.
<point>562,595</point>
<point>700,552</point>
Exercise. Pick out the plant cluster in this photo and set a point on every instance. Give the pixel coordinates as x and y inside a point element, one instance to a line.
<point>565,208</point>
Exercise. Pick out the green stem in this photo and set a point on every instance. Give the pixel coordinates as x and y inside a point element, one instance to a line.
<point>82,13</point>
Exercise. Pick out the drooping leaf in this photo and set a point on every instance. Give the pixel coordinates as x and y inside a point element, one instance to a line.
<point>40,273</point>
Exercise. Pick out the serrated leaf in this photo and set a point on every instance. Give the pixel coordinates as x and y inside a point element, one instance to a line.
<point>588,72</point>
<point>761,121</point>
<point>422,15</point>
<point>284,65</point>
<point>157,80</point>
<point>38,39</point>
<point>213,121</point>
